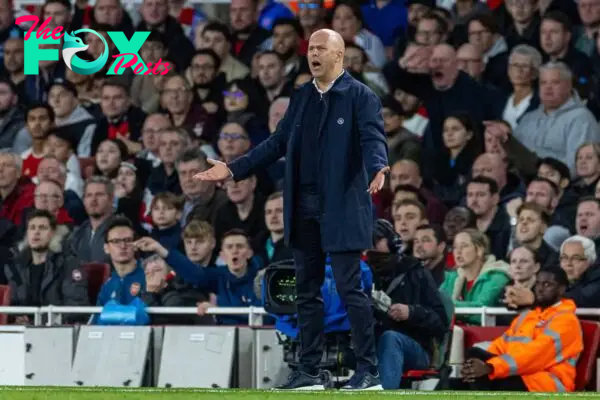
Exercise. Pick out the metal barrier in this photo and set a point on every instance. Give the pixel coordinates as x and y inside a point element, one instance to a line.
<point>255,314</point>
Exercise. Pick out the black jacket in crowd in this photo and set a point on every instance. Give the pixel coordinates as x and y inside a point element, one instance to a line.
<point>62,282</point>
<point>427,319</point>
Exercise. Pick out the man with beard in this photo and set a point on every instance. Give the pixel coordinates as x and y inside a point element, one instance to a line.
<point>287,34</point>
<point>271,77</point>
<point>492,219</point>
<point>524,357</point>
<point>41,274</point>
<point>11,117</point>
<point>429,246</point>
<point>86,242</point>
<point>208,83</point>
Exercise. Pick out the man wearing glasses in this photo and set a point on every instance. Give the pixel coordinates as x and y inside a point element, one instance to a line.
<point>127,280</point>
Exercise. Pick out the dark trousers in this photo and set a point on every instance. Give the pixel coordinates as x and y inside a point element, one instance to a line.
<point>510,384</point>
<point>310,274</point>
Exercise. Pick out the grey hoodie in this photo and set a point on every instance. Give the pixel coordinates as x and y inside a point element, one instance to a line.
<point>560,133</point>
<point>9,127</point>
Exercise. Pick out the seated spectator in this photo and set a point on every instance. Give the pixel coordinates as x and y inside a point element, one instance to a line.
<point>234,285</point>
<point>587,167</point>
<point>458,219</point>
<point>523,267</point>
<point>49,196</point>
<point>87,241</point>
<point>587,222</point>
<point>470,61</point>
<point>166,211</point>
<point>479,279</point>
<point>578,259</point>
<point>203,199</point>
<point>495,167</point>
<point>415,322</point>
<point>39,120</point>
<point>407,172</point>
<point>163,178</point>
<point>408,215</point>
<point>523,70</point>
<point>452,167</point>
<point>52,169</point>
<point>347,20</point>
<point>402,144</point>
<point>70,116</point>
<point>492,219</point>
<point>127,280</point>
<point>526,358</point>
<point>547,195</point>
<point>484,33</point>
<point>111,153</point>
<point>562,123</point>
<point>244,210</point>
<point>163,292</point>
<point>41,273</point>
<point>199,243</point>
<point>429,246</point>
<point>154,124</point>
<point>16,193</point>
<point>217,37</point>
<point>270,244</point>
<point>61,148</point>
<point>133,201</point>
<point>356,62</point>
<point>13,116</point>
<point>532,223</point>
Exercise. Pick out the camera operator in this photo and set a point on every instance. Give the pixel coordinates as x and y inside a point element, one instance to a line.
<point>408,307</point>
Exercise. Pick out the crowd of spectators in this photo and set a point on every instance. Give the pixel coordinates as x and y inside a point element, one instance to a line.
<point>490,108</point>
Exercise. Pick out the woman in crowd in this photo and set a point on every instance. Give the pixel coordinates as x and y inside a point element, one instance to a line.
<point>111,153</point>
<point>452,166</point>
<point>480,279</point>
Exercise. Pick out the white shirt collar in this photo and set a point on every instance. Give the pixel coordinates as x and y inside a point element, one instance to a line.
<point>329,86</point>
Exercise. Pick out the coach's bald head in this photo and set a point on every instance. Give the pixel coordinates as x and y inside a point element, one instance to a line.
<point>326,55</point>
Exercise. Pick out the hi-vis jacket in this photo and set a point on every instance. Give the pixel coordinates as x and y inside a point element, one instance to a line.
<point>542,347</point>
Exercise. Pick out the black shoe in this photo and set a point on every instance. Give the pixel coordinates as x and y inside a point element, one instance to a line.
<point>363,381</point>
<point>299,380</point>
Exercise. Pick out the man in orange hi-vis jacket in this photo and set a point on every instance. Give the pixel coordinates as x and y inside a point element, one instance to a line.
<point>539,352</point>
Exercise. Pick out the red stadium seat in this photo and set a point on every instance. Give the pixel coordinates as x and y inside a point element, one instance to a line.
<point>97,274</point>
<point>587,359</point>
<point>5,293</point>
<point>477,334</point>
<point>86,164</point>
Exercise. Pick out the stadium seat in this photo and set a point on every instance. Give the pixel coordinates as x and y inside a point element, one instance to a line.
<point>587,359</point>
<point>97,274</point>
<point>86,164</point>
<point>4,301</point>
<point>440,370</point>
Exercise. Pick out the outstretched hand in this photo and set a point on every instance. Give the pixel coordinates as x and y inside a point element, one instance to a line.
<point>218,172</point>
<point>379,180</point>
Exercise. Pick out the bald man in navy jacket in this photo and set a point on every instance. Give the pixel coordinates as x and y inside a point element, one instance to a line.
<point>335,149</point>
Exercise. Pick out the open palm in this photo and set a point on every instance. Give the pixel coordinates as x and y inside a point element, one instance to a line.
<point>218,172</point>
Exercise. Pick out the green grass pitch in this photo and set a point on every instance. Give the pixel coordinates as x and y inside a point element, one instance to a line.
<point>55,393</point>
